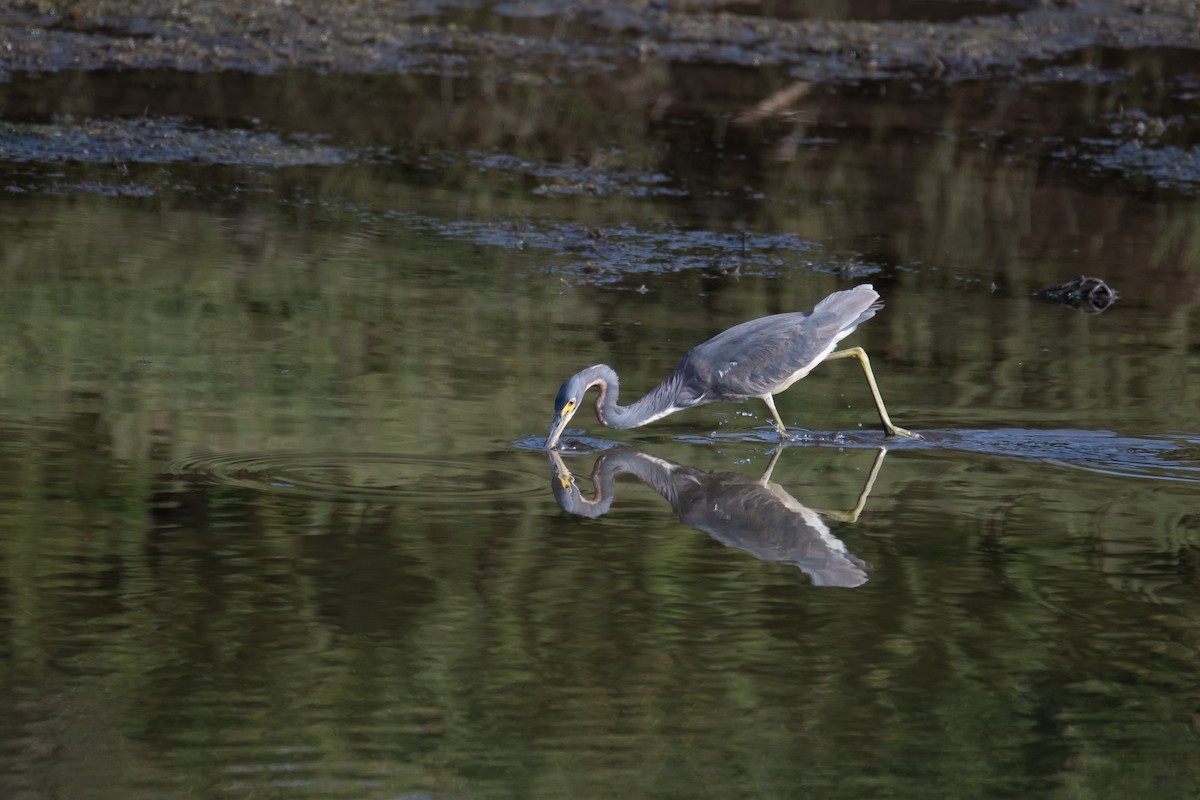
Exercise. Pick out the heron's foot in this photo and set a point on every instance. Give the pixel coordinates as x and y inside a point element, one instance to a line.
<point>785,435</point>
<point>892,430</point>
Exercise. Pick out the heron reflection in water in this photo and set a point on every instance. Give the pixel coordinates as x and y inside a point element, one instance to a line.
<point>759,358</point>
<point>757,516</point>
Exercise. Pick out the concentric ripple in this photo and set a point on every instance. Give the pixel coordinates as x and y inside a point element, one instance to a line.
<point>366,476</point>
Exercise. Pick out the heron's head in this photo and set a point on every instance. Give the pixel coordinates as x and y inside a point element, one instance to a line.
<point>570,396</point>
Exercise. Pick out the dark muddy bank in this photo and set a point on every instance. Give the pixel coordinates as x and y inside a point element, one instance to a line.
<point>1109,88</point>
<point>549,39</point>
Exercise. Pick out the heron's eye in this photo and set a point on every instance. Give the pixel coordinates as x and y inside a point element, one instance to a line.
<point>568,407</point>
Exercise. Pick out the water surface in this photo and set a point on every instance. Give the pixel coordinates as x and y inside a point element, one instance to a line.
<point>279,352</point>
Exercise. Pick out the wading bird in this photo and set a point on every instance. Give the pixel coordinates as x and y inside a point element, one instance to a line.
<point>759,358</point>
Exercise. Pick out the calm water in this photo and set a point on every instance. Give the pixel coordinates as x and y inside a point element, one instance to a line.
<point>274,521</point>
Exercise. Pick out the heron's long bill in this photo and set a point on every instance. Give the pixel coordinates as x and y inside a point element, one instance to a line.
<point>559,425</point>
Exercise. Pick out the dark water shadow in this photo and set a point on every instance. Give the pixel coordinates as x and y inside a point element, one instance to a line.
<point>754,515</point>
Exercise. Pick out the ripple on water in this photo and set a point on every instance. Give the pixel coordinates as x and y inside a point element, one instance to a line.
<point>367,476</point>
<point>569,443</point>
<point>1166,458</point>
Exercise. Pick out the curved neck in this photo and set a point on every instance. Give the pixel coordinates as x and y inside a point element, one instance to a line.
<point>657,403</point>
<point>655,473</point>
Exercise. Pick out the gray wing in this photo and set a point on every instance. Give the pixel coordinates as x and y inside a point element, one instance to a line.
<point>759,356</point>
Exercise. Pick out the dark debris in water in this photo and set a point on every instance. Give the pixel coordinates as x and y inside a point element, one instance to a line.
<point>1152,151</point>
<point>1092,295</point>
<point>1158,168</point>
<point>105,189</point>
<point>608,255</point>
<point>157,140</point>
<point>603,177</point>
<point>1146,131</point>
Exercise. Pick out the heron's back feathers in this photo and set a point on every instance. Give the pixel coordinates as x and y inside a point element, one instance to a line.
<point>766,355</point>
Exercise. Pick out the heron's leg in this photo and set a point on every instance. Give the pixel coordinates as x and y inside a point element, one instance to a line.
<point>861,355</point>
<point>852,514</point>
<point>766,478</point>
<point>770,401</point>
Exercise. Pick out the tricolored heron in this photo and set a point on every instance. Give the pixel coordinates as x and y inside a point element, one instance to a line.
<point>759,358</point>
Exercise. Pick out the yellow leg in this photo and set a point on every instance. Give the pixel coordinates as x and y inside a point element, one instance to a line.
<point>770,401</point>
<point>852,514</point>
<point>766,478</point>
<point>861,355</point>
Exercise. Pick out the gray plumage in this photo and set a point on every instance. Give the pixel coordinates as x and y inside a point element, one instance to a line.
<point>768,354</point>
